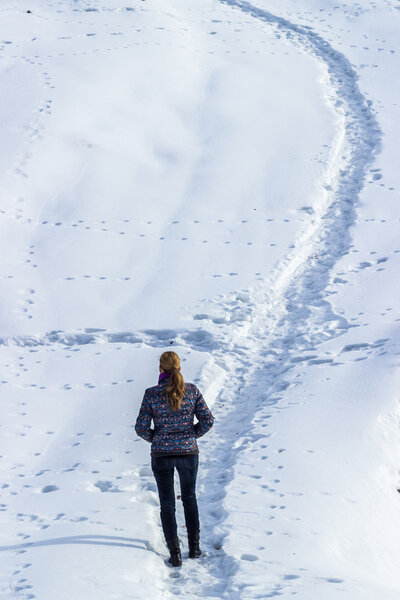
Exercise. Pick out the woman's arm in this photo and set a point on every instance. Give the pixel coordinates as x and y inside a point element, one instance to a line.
<point>204,415</point>
<point>143,421</point>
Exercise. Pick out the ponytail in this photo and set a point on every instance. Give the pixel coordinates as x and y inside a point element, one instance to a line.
<point>171,364</point>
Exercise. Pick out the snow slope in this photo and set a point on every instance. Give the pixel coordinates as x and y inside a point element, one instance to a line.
<point>219,177</point>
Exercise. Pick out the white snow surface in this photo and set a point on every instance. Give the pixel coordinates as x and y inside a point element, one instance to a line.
<point>220,178</point>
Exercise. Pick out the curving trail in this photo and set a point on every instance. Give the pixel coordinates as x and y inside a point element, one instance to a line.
<point>280,325</point>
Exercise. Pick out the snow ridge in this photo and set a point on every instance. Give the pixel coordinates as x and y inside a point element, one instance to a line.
<point>198,339</point>
<point>274,328</point>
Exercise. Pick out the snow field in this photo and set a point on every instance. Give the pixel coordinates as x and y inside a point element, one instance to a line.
<point>231,158</point>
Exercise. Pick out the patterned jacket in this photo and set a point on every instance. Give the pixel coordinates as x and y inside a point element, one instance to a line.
<point>174,431</point>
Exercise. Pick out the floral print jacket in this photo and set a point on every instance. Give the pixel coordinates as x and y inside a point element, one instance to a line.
<point>174,432</point>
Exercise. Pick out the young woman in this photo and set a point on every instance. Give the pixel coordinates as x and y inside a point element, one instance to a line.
<point>172,404</point>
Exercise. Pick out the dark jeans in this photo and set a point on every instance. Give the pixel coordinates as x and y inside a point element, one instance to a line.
<point>163,470</point>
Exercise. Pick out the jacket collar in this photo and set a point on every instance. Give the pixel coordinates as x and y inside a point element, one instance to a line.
<point>163,377</point>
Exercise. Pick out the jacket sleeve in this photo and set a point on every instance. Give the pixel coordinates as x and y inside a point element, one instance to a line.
<point>204,416</point>
<point>143,421</point>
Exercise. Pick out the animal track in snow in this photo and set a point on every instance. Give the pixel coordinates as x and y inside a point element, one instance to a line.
<point>49,488</point>
<point>107,486</point>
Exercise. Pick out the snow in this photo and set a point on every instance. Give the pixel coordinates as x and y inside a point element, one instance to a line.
<point>220,178</point>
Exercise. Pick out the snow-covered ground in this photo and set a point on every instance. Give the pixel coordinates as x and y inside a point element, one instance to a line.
<point>219,177</point>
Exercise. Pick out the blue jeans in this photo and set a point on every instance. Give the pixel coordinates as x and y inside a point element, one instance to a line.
<point>163,470</point>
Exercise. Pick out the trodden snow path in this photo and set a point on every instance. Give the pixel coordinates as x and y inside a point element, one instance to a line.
<point>279,326</point>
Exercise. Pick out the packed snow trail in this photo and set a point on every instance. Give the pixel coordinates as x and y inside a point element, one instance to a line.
<point>280,325</point>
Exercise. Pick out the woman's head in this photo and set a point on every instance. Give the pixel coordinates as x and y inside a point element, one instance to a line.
<point>170,363</point>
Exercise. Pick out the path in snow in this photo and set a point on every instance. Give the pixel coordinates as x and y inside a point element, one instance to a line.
<point>282,325</point>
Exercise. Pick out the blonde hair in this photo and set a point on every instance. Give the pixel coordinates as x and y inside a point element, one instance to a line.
<point>171,364</point>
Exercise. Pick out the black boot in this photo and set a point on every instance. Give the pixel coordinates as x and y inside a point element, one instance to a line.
<point>194,541</point>
<point>175,559</point>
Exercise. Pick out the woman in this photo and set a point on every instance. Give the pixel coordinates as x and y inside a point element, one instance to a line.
<point>172,404</point>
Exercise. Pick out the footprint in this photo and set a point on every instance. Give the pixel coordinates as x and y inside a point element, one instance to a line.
<point>39,473</point>
<point>106,486</point>
<point>351,347</point>
<point>49,488</point>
